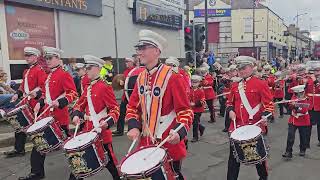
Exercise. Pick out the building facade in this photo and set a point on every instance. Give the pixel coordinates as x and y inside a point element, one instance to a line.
<point>98,27</point>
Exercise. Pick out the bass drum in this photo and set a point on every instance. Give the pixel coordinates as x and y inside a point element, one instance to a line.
<point>131,81</point>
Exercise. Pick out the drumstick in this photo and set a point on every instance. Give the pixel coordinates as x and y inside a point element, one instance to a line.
<point>76,130</point>
<point>132,146</point>
<point>164,141</point>
<point>263,119</point>
<point>42,113</point>
<point>234,123</point>
<point>223,94</point>
<point>98,129</point>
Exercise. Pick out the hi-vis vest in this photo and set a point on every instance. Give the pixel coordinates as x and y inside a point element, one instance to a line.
<point>151,102</point>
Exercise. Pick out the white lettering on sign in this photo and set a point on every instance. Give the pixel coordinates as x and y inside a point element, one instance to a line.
<point>174,3</point>
<point>19,35</point>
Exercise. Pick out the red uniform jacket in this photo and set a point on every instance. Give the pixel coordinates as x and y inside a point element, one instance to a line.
<point>207,84</point>
<point>279,89</point>
<point>271,83</point>
<point>313,94</point>
<point>61,82</point>
<point>198,98</point>
<point>186,77</point>
<point>299,116</point>
<point>174,99</point>
<point>36,79</point>
<point>85,82</point>
<point>102,97</point>
<point>257,92</point>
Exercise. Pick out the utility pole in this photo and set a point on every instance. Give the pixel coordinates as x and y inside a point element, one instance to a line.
<point>206,25</point>
<point>254,29</point>
<point>297,20</point>
<point>187,13</point>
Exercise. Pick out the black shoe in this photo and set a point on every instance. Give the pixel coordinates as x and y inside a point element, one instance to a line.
<point>263,178</point>
<point>281,116</point>
<point>117,133</point>
<point>194,140</point>
<point>202,131</point>
<point>287,155</point>
<point>31,176</point>
<point>308,146</point>
<point>224,130</point>
<point>14,153</point>
<point>302,153</point>
<point>318,144</point>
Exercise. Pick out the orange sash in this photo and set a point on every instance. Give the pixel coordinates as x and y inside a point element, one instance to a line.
<point>151,100</point>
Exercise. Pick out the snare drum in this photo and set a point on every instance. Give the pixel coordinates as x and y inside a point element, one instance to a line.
<point>156,166</point>
<point>85,154</point>
<point>20,118</point>
<point>248,144</point>
<point>46,135</point>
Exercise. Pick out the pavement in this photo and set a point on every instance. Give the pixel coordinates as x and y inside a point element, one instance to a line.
<point>207,159</point>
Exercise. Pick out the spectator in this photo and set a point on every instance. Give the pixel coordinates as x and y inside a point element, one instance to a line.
<point>107,71</point>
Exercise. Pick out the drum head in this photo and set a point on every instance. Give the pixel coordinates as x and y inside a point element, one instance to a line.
<point>39,124</point>
<point>80,140</point>
<point>245,133</point>
<point>16,110</point>
<point>136,163</point>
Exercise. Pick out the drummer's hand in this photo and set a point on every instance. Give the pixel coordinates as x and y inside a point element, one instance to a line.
<point>110,74</point>
<point>36,108</point>
<point>192,104</point>
<point>174,137</point>
<point>232,115</point>
<point>133,134</point>
<point>55,103</point>
<point>76,120</point>
<point>104,124</point>
<point>14,98</point>
<point>121,83</point>
<point>33,94</point>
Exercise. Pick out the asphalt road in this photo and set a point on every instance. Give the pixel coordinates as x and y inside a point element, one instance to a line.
<point>207,159</point>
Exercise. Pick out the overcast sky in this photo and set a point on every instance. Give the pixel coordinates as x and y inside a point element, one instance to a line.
<point>287,9</point>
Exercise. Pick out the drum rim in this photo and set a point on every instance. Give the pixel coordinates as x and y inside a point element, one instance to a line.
<point>81,147</point>
<point>148,171</point>
<point>16,109</point>
<point>42,128</point>
<point>246,139</point>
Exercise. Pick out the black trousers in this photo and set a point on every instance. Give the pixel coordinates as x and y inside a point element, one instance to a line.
<point>291,137</point>
<point>37,159</point>
<point>222,102</point>
<point>123,109</point>
<point>234,168</point>
<point>20,141</point>
<point>315,120</point>
<point>211,109</point>
<point>280,105</point>
<point>196,125</point>
<point>227,120</point>
<point>176,166</point>
<point>111,166</point>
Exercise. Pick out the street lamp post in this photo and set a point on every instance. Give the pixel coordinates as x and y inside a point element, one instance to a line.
<point>297,20</point>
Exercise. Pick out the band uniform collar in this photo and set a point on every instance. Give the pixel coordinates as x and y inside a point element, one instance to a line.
<point>55,68</point>
<point>93,81</point>
<point>154,69</point>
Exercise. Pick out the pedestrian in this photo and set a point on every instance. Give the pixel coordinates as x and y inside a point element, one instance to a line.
<point>107,71</point>
<point>299,119</point>
<point>197,102</point>
<point>98,99</point>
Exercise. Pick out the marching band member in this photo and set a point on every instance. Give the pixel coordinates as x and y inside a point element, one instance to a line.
<point>300,120</point>
<point>84,80</point>
<point>249,101</point>
<point>174,63</point>
<point>159,98</point>
<point>313,93</point>
<point>197,99</point>
<point>95,105</point>
<point>32,82</point>
<point>130,64</point>
<point>279,91</point>
<point>207,84</point>
<point>59,91</point>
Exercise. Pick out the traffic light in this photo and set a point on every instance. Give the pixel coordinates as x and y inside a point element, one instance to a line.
<point>188,38</point>
<point>200,36</point>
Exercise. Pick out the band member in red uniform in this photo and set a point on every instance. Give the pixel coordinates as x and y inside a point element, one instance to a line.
<point>174,63</point>
<point>207,84</point>
<point>279,91</point>
<point>197,102</point>
<point>32,82</point>
<point>300,120</point>
<point>249,101</point>
<point>84,80</point>
<point>96,105</point>
<point>159,96</point>
<point>59,91</point>
<point>313,94</point>
<point>130,64</point>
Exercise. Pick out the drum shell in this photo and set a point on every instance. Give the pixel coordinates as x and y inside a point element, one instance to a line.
<point>93,155</point>
<point>49,137</point>
<point>260,148</point>
<point>164,165</point>
<point>23,118</point>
